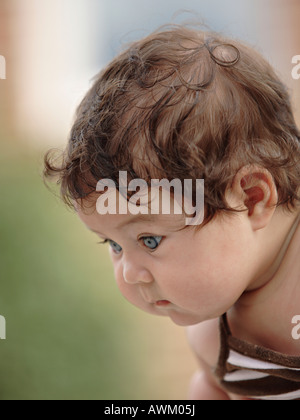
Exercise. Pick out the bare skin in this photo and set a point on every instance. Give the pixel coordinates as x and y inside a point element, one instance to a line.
<point>253,318</point>
<point>243,265</point>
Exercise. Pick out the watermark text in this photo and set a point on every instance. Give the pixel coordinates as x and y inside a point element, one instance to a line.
<point>296,68</point>
<point>296,329</point>
<point>2,67</point>
<point>2,328</point>
<point>156,199</point>
<point>143,408</point>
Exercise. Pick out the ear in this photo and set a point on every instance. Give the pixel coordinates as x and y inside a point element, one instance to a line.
<point>254,190</point>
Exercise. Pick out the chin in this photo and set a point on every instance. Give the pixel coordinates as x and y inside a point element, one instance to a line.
<point>184,320</point>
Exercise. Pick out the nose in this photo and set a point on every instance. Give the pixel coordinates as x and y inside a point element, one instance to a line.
<point>135,273</point>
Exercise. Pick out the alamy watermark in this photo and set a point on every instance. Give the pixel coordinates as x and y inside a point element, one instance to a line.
<point>296,68</point>
<point>155,199</point>
<point>2,328</point>
<point>296,329</point>
<point>2,67</point>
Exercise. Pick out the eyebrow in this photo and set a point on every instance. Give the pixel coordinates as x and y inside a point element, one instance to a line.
<point>134,220</point>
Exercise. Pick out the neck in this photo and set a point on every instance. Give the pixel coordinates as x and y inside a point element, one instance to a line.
<point>265,313</point>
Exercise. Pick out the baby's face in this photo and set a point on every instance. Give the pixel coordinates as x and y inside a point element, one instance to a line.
<point>187,275</point>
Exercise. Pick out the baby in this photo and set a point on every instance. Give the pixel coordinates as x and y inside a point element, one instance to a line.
<point>183,104</point>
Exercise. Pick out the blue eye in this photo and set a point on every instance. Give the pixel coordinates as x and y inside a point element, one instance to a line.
<point>115,247</point>
<point>152,242</point>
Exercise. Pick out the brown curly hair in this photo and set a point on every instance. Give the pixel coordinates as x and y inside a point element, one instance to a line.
<point>182,104</point>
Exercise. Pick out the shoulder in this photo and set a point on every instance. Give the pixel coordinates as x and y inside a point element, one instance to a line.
<point>204,340</point>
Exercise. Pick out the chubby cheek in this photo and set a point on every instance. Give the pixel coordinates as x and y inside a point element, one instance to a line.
<point>224,286</point>
<point>206,286</point>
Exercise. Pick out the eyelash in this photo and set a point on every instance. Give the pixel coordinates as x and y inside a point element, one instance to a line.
<point>103,242</point>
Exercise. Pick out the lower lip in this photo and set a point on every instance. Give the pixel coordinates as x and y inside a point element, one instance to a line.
<point>162,303</point>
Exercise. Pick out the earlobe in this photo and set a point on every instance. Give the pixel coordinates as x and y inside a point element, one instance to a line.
<point>254,190</point>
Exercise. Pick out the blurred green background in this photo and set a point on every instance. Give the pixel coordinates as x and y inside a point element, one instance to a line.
<point>70,335</point>
<point>63,333</point>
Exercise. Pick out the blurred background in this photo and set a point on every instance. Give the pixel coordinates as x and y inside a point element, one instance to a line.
<point>70,335</point>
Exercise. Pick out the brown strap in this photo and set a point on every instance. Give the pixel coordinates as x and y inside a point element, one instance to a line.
<point>220,370</point>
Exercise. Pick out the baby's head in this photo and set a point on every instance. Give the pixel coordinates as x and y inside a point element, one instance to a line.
<point>183,104</point>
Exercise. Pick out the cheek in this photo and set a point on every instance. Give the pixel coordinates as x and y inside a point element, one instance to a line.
<point>223,276</point>
<point>224,255</point>
<point>211,278</point>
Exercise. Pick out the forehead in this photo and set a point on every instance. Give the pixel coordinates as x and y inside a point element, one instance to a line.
<point>94,221</point>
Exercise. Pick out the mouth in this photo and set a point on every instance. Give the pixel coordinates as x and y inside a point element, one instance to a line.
<point>162,303</point>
